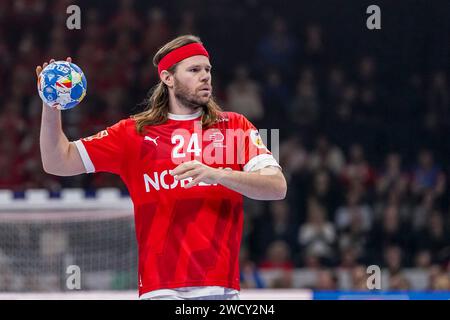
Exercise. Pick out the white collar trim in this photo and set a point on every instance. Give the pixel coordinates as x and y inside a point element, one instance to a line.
<point>185,116</point>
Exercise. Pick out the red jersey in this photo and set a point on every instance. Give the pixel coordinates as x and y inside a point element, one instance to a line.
<point>186,237</point>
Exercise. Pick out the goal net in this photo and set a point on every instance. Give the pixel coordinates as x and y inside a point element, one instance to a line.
<point>68,242</point>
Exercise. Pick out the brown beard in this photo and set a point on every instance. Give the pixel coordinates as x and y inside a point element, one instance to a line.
<point>186,98</point>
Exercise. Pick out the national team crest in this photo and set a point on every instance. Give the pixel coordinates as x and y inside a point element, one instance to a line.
<point>255,137</point>
<point>99,135</point>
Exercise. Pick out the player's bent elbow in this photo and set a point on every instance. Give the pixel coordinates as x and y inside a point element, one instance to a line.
<point>46,167</point>
<point>63,164</point>
<point>281,191</point>
<point>275,186</point>
<point>59,171</point>
<point>52,171</point>
<point>278,190</point>
<point>281,187</point>
<point>273,196</point>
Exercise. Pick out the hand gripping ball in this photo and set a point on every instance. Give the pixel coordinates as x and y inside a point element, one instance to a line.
<point>62,85</point>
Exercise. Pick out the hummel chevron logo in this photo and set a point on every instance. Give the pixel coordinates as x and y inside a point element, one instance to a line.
<point>151,139</point>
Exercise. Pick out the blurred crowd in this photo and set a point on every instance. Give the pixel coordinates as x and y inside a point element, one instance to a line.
<point>363,119</point>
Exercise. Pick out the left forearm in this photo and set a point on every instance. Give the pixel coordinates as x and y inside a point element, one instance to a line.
<point>265,184</point>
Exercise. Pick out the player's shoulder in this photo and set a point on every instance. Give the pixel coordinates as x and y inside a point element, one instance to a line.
<point>124,126</point>
<point>230,115</point>
<point>232,118</point>
<point>126,123</point>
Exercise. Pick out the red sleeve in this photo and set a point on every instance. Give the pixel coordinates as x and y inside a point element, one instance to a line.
<point>104,151</point>
<point>253,154</point>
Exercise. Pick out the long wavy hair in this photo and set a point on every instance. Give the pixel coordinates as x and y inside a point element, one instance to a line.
<point>157,103</point>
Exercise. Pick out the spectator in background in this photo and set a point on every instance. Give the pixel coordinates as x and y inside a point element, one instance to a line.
<point>125,54</point>
<point>114,102</point>
<point>346,106</point>
<point>326,280</point>
<point>12,124</point>
<point>422,259</point>
<point>340,123</point>
<point>28,48</point>
<point>11,174</point>
<point>92,49</point>
<point>334,89</point>
<point>406,117</point>
<point>278,259</point>
<point>58,42</point>
<point>293,155</point>
<point>304,107</point>
<point>393,259</point>
<point>367,71</point>
<point>278,256</point>
<point>275,99</point>
<point>399,282</point>
<point>392,187</point>
<point>427,175</point>
<point>396,199</point>
<point>317,236</point>
<point>369,112</point>
<point>434,238</point>
<point>294,159</point>
<point>5,53</point>
<point>110,78</point>
<point>392,177</point>
<point>354,208</point>
<point>21,84</point>
<point>278,225</point>
<point>353,241</point>
<point>243,95</point>
<point>390,231</point>
<point>348,258</point>
<point>188,24</point>
<point>157,32</point>
<point>278,48</point>
<point>126,18</point>
<point>285,279</point>
<point>358,173</point>
<point>422,211</point>
<point>323,189</point>
<point>438,104</point>
<point>31,168</point>
<point>440,281</point>
<point>359,278</point>
<point>249,274</point>
<point>314,50</point>
<point>326,156</point>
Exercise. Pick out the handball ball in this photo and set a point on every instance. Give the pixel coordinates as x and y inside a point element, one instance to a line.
<point>62,85</point>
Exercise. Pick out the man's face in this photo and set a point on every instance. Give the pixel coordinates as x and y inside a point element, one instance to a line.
<point>192,81</point>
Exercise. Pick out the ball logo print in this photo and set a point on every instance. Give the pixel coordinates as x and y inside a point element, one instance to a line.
<point>62,85</point>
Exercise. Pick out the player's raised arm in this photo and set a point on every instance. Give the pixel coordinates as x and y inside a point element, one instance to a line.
<point>59,156</point>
